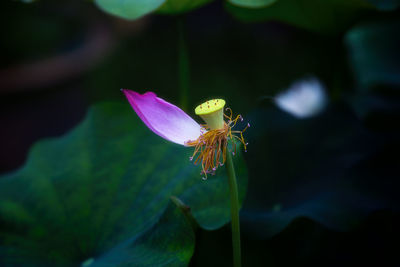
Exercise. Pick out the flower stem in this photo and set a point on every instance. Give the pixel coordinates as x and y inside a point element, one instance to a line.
<point>237,262</point>
<point>183,65</point>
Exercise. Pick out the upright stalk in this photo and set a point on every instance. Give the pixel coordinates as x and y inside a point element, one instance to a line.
<point>237,261</point>
<point>183,65</point>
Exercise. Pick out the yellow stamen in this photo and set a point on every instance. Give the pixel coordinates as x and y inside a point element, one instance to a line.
<point>211,146</point>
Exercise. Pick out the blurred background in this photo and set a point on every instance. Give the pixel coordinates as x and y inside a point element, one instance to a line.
<point>322,183</point>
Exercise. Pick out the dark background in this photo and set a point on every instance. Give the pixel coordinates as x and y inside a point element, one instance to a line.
<point>58,58</point>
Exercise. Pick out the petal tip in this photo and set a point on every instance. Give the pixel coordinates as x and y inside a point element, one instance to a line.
<point>162,117</point>
<point>136,94</point>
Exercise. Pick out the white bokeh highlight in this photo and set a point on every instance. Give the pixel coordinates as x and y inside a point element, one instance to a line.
<point>303,99</point>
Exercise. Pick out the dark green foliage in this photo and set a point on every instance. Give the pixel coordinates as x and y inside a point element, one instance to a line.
<point>314,184</point>
<point>100,192</point>
<point>170,242</point>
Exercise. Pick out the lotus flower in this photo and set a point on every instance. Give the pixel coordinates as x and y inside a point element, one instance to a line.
<point>209,140</point>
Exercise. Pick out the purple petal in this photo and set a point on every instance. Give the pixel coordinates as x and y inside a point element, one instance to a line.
<point>163,118</point>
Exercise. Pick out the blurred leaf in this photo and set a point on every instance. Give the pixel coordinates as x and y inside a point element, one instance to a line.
<point>324,16</point>
<point>252,3</point>
<point>134,9</point>
<point>129,9</point>
<point>328,168</point>
<point>374,53</point>
<point>181,6</point>
<point>308,243</point>
<point>385,4</point>
<point>103,186</point>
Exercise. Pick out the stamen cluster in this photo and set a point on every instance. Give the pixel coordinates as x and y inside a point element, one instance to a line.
<point>211,147</point>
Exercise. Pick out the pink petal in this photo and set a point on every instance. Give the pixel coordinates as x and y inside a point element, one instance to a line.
<point>163,118</point>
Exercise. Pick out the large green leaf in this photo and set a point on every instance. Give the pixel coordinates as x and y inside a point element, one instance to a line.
<point>98,193</point>
<point>129,9</point>
<point>327,16</point>
<point>157,247</point>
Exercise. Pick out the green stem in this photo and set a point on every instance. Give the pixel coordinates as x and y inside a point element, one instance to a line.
<point>183,65</point>
<point>237,262</point>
